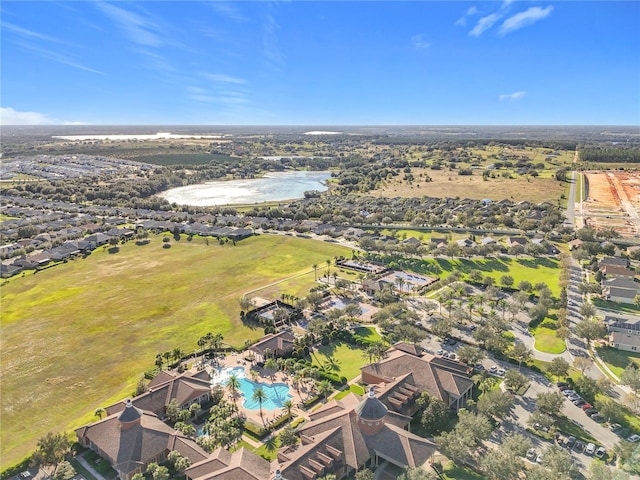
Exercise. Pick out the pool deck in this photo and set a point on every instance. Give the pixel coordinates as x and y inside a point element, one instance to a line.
<point>264,376</point>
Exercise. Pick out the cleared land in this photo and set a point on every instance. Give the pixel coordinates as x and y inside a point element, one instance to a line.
<point>78,336</point>
<point>613,202</point>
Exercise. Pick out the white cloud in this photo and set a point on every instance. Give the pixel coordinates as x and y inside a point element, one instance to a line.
<point>30,34</point>
<point>472,11</point>
<point>224,78</point>
<point>228,10</point>
<point>522,19</point>
<point>462,21</point>
<point>138,29</point>
<point>8,116</point>
<point>484,24</point>
<point>419,42</point>
<point>512,96</point>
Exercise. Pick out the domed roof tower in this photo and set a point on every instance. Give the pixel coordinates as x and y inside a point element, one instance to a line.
<point>371,413</point>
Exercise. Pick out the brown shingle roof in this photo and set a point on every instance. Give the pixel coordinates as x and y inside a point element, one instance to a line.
<point>239,465</point>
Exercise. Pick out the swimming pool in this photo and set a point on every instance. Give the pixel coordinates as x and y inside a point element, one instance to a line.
<point>276,393</point>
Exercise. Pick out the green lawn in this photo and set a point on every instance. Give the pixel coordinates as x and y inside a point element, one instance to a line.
<point>454,472</point>
<point>567,427</point>
<point>618,307</point>
<point>534,270</point>
<point>546,340</point>
<point>78,336</point>
<point>355,388</point>
<point>370,333</point>
<point>617,360</point>
<point>341,358</point>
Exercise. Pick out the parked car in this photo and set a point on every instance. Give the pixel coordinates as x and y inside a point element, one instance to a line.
<point>590,449</point>
<point>596,417</point>
<point>531,454</point>
<point>452,356</point>
<point>439,352</point>
<point>590,411</point>
<point>562,384</point>
<point>579,402</point>
<point>586,406</point>
<point>563,388</point>
<point>493,369</point>
<point>539,459</point>
<point>501,372</point>
<point>570,441</point>
<point>614,427</point>
<point>601,452</point>
<point>573,397</point>
<point>633,438</point>
<point>579,446</point>
<point>568,392</point>
<point>479,366</point>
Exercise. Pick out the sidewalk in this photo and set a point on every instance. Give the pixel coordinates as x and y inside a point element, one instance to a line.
<point>89,467</point>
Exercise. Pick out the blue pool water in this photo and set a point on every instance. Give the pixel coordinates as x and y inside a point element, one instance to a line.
<point>276,393</point>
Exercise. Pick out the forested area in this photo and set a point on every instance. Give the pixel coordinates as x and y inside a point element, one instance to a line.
<point>610,155</point>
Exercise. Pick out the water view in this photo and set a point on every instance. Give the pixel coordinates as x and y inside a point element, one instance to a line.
<point>276,393</point>
<point>274,186</point>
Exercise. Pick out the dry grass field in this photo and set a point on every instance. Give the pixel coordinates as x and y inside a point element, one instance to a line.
<point>449,184</point>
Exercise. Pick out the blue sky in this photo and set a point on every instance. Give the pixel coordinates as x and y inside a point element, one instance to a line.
<point>321,63</point>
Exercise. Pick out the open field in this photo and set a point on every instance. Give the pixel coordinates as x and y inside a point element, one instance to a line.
<point>446,183</point>
<point>614,201</point>
<point>78,336</point>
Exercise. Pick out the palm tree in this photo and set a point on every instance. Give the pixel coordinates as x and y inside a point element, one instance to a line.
<point>99,412</point>
<point>233,384</point>
<point>271,364</point>
<point>259,396</point>
<point>328,266</point>
<point>324,388</point>
<point>315,271</point>
<point>288,406</point>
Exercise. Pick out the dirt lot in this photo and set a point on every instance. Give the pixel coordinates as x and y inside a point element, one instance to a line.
<point>613,201</point>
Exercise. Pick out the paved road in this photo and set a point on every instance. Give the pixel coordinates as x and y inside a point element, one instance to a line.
<point>571,201</point>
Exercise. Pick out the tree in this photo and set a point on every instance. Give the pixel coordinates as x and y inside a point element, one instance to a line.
<point>411,473</point>
<point>559,461</point>
<point>288,406</point>
<point>590,330</point>
<point>180,463</point>
<point>525,286</point>
<point>507,281</point>
<point>364,474</point>
<point>587,310</point>
<point>325,388</point>
<point>495,403</point>
<point>498,464</point>
<point>587,388</point>
<point>173,411</point>
<point>540,418</point>
<point>600,471</point>
<point>161,473</point>
<point>470,354</point>
<point>516,444</point>
<point>233,384</point>
<point>582,363</point>
<point>436,415</point>
<point>550,402</point>
<point>609,409</point>
<point>288,437</point>
<point>558,367</point>
<point>259,396</point>
<point>631,376</point>
<point>514,380</point>
<point>474,424</point>
<point>521,353</point>
<point>51,450</point>
<point>65,471</point>
<point>100,412</point>
<point>442,328</point>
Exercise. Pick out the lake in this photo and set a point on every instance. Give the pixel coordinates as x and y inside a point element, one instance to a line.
<point>272,187</point>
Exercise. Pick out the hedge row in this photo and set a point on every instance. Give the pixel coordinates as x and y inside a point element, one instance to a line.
<point>260,432</point>
<point>14,470</point>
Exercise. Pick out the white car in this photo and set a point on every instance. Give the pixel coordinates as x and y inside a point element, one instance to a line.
<point>493,369</point>
<point>439,352</point>
<point>633,438</point>
<point>591,448</point>
<point>501,372</point>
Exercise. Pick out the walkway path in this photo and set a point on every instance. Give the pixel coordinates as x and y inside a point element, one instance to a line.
<point>88,466</point>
